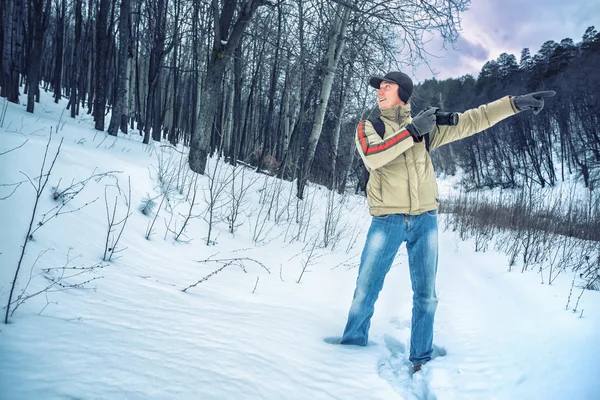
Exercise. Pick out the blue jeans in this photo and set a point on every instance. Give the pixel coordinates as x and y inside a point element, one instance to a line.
<point>385,236</point>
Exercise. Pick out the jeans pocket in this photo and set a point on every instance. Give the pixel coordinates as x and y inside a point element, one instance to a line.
<point>432,213</point>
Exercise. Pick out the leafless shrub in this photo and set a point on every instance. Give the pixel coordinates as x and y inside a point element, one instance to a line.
<point>542,234</point>
<point>174,171</point>
<point>189,216</point>
<point>276,205</point>
<point>283,214</point>
<point>214,195</point>
<point>303,215</point>
<point>353,237</point>
<point>112,239</point>
<point>311,257</point>
<point>61,123</point>
<point>150,229</point>
<point>59,279</point>
<point>226,262</point>
<point>332,231</point>
<point>168,226</point>
<point>261,228</point>
<point>65,194</point>
<point>509,244</point>
<point>553,249</point>
<point>169,170</point>
<point>42,181</point>
<point>238,195</point>
<point>570,293</point>
<point>585,287</point>
<point>588,266</point>
<point>39,184</point>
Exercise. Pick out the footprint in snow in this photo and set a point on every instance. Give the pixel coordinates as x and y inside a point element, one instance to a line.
<point>394,365</point>
<point>397,370</point>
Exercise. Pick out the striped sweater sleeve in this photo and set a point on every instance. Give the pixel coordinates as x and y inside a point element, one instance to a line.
<point>375,151</point>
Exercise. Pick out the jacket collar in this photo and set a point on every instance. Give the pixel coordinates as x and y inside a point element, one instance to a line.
<point>398,114</point>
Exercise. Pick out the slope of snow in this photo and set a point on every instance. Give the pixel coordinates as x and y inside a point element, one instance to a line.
<point>249,333</point>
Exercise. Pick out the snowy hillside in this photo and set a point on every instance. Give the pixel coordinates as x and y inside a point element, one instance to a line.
<point>125,329</point>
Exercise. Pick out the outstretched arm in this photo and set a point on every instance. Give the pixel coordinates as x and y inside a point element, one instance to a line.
<point>478,119</point>
<point>473,121</point>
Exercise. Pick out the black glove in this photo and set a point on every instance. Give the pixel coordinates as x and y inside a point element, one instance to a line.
<point>423,122</point>
<point>532,101</point>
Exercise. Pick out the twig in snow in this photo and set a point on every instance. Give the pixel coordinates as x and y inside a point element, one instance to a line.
<point>18,147</point>
<point>582,291</point>
<point>310,259</point>
<point>189,214</point>
<point>58,283</point>
<point>39,189</point>
<point>112,241</point>
<point>150,230</point>
<point>570,293</point>
<point>226,262</point>
<point>14,190</point>
<point>208,276</point>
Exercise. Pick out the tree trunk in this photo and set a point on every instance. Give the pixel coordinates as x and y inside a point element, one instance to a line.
<point>291,109</point>
<point>102,36</point>
<point>157,53</point>
<point>75,64</point>
<point>267,131</point>
<point>336,46</point>
<point>174,136</point>
<point>13,42</point>
<point>124,18</point>
<point>237,105</point>
<point>333,181</point>
<point>128,90</point>
<point>3,21</point>
<point>222,50</point>
<point>58,67</point>
<point>38,22</point>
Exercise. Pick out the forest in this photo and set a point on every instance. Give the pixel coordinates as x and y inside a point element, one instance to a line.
<point>281,85</point>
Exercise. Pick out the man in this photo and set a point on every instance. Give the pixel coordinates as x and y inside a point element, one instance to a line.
<point>402,197</point>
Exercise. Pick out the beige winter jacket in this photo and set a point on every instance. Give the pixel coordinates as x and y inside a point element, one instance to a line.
<point>402,180</point>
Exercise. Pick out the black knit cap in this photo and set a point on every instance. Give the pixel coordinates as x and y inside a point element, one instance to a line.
<point>404,82</point>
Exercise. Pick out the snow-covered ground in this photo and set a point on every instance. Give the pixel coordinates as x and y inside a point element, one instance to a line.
<point>249,333</point>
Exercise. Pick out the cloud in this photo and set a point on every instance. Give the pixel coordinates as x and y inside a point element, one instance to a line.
<point>492,27</point>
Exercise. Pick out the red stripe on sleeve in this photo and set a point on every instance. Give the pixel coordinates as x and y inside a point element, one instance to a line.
<point>362,138</point>
<point>386,144</point>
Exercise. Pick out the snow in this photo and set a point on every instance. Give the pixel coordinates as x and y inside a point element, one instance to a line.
<point>134,334</point>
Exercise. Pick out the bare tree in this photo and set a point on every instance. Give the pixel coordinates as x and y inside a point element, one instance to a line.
<point>60,34</point>
<point>100,79</point>
<point>227,34</point>
<point>38,16</point>
<point>116,120</point>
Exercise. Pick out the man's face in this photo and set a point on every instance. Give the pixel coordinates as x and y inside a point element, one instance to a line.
<point>387,95</point>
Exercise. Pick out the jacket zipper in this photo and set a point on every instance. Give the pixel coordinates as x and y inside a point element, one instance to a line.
<point>408,179</point>
<point>381,188</point>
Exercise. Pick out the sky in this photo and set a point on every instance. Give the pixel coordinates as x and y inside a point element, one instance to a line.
<point>493,27</point>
